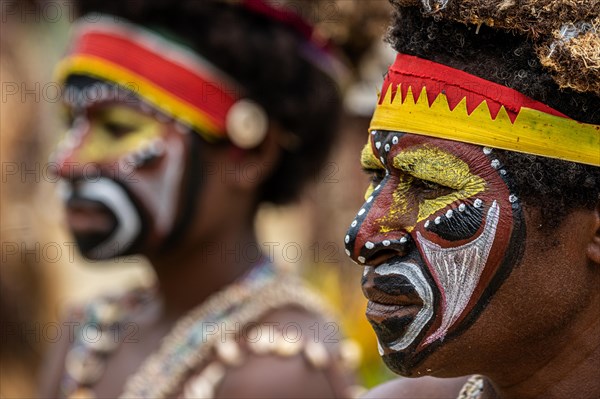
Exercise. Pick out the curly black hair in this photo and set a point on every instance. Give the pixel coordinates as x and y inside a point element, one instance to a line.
<point>268,59</point>
<point>556,187</point>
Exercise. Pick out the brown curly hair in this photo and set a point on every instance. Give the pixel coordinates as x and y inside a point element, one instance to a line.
<point>556,187</point>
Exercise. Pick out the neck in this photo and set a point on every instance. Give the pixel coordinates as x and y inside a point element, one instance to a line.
<point>188,275</point>
<point>570,368</point>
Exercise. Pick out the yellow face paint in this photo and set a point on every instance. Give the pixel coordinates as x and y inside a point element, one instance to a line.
<point>427,164</point>
<point>369,161</point>
<point>399,206</point>
<point>440,167</point>
<point>115,131</point>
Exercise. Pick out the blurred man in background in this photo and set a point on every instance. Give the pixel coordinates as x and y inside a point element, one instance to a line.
<point>183,119</point>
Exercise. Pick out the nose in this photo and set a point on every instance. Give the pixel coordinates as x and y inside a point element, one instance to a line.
<point>379,231</point>
<point>378,252</point>
<point>68,166</point>
<point>65,158</point>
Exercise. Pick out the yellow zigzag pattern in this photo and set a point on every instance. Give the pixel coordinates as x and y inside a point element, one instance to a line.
<point>533,132</point>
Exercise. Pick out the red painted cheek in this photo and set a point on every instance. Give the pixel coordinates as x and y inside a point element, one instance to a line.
<point>496,198</point>
<point>378,225</point>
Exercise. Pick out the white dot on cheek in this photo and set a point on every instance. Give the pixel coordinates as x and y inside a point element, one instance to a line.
<point>360,213</point>
<point>347,252</point>
<point>369,199</point>
<point>354,223</point>
<point>369,245</point>
<point>378,145</point>
<point>361,259</point>
<point>395,140</point>
<point>347,239</point>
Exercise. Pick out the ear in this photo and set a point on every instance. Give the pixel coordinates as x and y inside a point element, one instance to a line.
<point>256,165</point>
<point>593,248</point>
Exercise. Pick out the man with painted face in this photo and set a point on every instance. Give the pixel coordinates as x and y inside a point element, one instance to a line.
<point>480,234</point>
<point>183,118</point>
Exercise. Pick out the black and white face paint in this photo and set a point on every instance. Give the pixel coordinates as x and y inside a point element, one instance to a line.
<point>128,179</point>
<point>113,201</point>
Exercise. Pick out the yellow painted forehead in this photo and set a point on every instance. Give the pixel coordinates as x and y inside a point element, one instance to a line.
<point>101,145</point>
<point>435,165</point>
<point>368,160</point>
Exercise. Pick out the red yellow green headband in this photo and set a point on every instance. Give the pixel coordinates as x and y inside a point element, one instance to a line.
<point>431,99</point>
<point>168,76</point>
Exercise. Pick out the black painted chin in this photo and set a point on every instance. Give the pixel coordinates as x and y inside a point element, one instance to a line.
<point>92,242</point>
<point>391,329</point>
<point>401,363</point>
<point>87,242</point>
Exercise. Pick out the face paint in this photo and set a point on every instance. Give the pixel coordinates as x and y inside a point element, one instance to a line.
<point>442,228</point>
<point>130,201</point>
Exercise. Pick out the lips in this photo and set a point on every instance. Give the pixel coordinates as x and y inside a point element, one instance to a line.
<point>397,291</point>
<point>85,216</point>
<point>391,290</point>
<point>393,304</point>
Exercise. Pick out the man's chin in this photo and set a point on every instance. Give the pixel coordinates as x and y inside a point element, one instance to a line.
<point>407,362</point>
<point>92,246</point>
<point>403,363</point>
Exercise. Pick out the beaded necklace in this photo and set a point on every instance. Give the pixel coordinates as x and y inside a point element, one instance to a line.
<point>187,346</point>
<point>473,388</point>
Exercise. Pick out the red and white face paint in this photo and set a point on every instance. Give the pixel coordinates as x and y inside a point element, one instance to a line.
<point>122,166</point>
<point>436,235</point>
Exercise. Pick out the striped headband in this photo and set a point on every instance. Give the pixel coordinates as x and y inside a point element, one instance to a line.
<point>166,75</point>
<point>431,99</point>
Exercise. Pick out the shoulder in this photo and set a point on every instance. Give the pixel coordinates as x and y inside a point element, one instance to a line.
<point>422,388</point>
<point>277,357</point>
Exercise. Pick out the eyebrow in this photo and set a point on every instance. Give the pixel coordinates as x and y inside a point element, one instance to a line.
<point>435,165</point>
<point>368,160</point>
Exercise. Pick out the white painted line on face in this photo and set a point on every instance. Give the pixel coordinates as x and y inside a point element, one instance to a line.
<point>458,270</point>
<point>113,196</point>
<point>414,274</point>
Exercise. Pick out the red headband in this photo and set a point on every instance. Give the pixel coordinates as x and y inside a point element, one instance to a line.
<point>164,74</point>
<point>418,73</point>
<point>439,101</point>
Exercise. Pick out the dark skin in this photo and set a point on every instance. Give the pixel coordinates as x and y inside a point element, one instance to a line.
<point>526,349</point>
<point>187,276</point>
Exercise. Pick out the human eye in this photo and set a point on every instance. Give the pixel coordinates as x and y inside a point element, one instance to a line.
<point>376,175</point>
<point>430,189</point>
<point>117,129</point>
